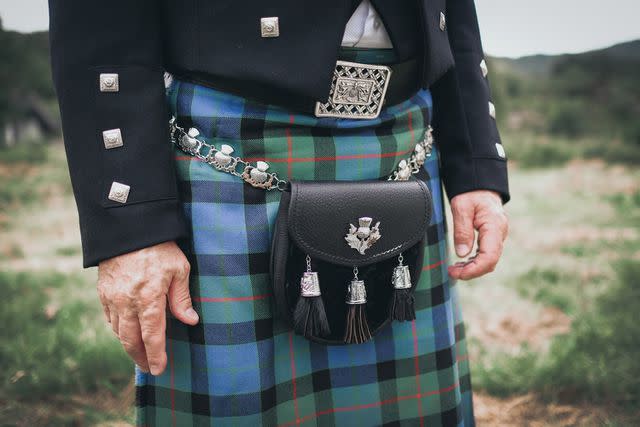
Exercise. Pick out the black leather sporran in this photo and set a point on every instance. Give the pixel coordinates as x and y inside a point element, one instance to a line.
<point>346,255</point>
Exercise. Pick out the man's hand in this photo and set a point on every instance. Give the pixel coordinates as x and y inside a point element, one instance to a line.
<point>481,210</point>
<point>133,289</point>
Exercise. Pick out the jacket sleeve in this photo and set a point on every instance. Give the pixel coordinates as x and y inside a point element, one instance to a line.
<point>472,154</point>
<point>106,59</point>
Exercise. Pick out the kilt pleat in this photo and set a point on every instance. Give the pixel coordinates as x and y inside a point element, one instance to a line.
<point>241,365</point>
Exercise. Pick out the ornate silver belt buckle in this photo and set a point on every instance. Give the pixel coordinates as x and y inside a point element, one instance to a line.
<point>357,91</point>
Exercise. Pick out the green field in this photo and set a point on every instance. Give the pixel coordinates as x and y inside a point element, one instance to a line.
<point>553,331</point>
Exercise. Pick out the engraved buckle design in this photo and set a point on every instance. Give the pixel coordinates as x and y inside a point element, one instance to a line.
<point>357,91</point>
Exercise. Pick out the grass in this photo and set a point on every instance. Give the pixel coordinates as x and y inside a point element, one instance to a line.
<point>627,205</point>
<point>554,287</point>
<point>68,250</point>
<point>51,345</point>
<point>29,173</point>
<point>30,152</point>
<point>595,363</point>
<point>596,360</point>
<point>18,190</point>
<point>549,287</point>
<point>535,150</point>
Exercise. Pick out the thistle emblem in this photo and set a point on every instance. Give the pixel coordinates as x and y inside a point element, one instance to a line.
<point>363,237</point>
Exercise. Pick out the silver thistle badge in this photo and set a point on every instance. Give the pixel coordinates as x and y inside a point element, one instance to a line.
<point>363,237</point>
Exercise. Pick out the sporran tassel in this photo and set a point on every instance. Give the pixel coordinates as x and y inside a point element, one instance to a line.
<point>309,316</point>
<point>403,302</point>
<point>357,328</point>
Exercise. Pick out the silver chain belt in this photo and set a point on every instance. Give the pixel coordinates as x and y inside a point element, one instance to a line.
<point>257,174</point>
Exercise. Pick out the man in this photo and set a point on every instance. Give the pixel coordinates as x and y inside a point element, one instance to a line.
<point>108,62</point>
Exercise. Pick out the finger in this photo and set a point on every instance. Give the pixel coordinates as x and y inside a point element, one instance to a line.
<point>131,339</point>
<point>485,260</point>
<point>105,306</point>
<point>113,316</point>
<point>463,231</point>
<point>107,315</point>
<point>180,300</point>
<point>152,327</point>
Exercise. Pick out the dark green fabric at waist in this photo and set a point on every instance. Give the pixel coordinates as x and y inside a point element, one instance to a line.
<point>367,55</point>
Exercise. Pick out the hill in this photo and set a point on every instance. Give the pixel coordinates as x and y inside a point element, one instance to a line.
<point>594,94</point>
<point>541,65</point>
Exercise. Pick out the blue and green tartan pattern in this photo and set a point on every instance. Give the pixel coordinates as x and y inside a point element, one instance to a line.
<point>241,365</point>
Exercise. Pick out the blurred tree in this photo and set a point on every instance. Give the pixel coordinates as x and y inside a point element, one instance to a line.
<point>25,74</point>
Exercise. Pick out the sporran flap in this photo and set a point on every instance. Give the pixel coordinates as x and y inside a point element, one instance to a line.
<point>332,222</point>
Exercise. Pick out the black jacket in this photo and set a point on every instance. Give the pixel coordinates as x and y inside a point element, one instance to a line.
<point>220,41</point>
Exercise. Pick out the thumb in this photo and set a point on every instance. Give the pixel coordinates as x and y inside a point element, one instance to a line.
<point>463,233</point>
<point>180,300</point>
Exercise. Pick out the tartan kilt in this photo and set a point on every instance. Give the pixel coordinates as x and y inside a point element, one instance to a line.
<point>241,365</point>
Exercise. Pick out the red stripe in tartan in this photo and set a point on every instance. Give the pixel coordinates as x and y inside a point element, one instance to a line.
<point>293,377</point>
<point>312,159</point>
<point>417,366</point>
<point>434,265</point>
<point>370,405</point>
<point>228,299</point>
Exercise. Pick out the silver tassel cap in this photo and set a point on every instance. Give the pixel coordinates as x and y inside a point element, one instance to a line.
<point>401,277</point>
<point>356,292</point>
<point>310,284</point>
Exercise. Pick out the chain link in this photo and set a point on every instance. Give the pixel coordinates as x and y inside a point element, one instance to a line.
<point>257,174</point>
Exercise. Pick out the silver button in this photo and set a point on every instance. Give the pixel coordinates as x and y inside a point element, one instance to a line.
<point>376,23</point>
<point>112,138</point>
<point>492,110</point>
<point>109,82</point>
<point>483,68</point>
<point>500,150</point>
<point>269,26</point>
<point>443,22</point>
<point>119,192</point>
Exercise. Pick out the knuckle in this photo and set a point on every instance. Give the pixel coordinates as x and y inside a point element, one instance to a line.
<point>149,318</point>
<point>153,340</point>
<point>150,292</point>
<point>121,300</point>
<point>184,268</point>
<point>462,236</point>
<point>461,212</point>
<point>128,344</point>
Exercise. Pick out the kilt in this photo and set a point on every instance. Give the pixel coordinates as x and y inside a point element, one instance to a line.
<point>241,365</point>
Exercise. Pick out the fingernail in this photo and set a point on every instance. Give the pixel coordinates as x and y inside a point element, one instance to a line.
<point>192,313</point>
<point>462,249</point>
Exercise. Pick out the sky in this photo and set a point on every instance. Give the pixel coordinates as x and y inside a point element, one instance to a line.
<point>509,28</point>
